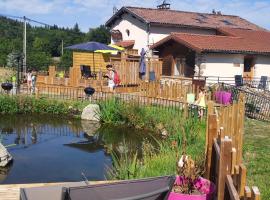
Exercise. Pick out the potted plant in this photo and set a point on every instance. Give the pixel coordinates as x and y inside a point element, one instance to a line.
<point>189,185</point>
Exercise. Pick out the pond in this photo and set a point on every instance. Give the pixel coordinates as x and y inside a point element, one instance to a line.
<point>50,149</point>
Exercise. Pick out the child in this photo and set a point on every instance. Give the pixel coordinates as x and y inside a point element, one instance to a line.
<point>110,76</point>
<point>201,102</point>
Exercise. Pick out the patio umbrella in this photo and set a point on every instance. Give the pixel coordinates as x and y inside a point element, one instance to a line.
<point>91,47</point>
<point>114,52</point>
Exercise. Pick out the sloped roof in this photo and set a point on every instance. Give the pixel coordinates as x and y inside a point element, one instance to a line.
<point>232,41</point>
<point>125,43</point>
<point>181,18</point>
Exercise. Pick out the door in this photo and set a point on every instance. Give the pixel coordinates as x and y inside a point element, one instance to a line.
<point>248,68</point>
<point>179,67</point>
<point>167,66</point>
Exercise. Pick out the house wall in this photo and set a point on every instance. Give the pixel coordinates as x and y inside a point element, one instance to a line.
<point>137,29</point>
<point>262,66</point>
<point>225,66</point>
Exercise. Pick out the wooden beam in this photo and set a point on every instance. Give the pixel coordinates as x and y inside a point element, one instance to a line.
<point>233,195</point>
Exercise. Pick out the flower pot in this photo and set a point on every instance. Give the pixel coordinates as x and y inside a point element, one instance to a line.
<point>204,186</point>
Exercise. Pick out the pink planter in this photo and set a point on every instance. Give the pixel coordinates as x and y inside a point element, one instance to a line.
<point>226,98</point>
<point>203,185</point>
<point>223,97</point>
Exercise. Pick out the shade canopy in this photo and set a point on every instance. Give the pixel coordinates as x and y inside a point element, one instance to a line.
<point>114,52</point>
<point>90,46</point>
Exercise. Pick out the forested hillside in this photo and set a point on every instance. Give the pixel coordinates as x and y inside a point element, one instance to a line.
<point>43,43</point>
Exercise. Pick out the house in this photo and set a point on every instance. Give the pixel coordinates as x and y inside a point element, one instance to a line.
<point>228,53</point>
<point>195,44</point>
<point>140,28</point>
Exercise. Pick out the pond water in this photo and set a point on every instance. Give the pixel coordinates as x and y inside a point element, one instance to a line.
<point>51,149</point>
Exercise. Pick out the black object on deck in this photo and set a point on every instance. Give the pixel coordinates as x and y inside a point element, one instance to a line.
<point>86,71</point>
<point>263,83</point>
<point>238,80</point>
<point>89,91</point>
<point>157,188</point>
<point>7,86</point>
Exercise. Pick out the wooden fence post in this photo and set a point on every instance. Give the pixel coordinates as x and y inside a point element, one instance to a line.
<point>210,111</point>
<point>224,165</point>
<point>212,133</point>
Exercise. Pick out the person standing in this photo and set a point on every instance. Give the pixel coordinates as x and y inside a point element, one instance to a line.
<point>29,80</point>
<point>33,81</point>
<point>201,102</point>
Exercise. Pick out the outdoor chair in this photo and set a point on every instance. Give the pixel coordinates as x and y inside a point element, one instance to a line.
<point>263,83</point>
<point>238,80</point>
<point>157,188</point>
<point>86,72</point>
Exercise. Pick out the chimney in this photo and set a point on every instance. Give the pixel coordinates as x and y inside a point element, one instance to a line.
<point>115,10</point>
<point>164,6</point>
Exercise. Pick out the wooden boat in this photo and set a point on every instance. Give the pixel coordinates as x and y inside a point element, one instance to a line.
<point>156,188</point>
<point>5,156</point>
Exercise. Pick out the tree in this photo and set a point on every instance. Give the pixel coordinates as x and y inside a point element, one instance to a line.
<point>66,60</point>
<point>76,28</point>
<point>12,59</point>
<point>38,60</point>
<point>100,34</point>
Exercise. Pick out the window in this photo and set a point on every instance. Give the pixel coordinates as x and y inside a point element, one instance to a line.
<point>128,32</point>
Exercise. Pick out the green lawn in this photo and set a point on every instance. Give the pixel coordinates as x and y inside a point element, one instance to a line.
<point>257,155</point>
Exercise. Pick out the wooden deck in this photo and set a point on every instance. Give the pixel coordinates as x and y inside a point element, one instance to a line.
<point>12,191</point>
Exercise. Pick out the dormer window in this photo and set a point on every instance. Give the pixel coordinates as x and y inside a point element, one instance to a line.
<point>128,32</point>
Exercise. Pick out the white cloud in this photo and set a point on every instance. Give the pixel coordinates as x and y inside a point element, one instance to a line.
<point>27,6</point>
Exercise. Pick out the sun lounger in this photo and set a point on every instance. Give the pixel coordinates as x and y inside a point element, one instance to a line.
<point>157,188</point>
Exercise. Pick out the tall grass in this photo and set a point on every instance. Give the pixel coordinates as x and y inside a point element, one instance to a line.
<point>161,161</point>
<point>27,104</point>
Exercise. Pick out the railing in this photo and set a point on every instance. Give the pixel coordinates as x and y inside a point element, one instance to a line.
<point>257,102</point>
<point>252,83</point>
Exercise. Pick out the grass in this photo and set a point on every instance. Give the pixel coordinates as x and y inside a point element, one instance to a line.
<point>160,161</point>
<point>257,155</point>
<point>6,74</point>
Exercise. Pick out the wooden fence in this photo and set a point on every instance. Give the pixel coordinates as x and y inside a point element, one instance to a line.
<point>128,70</point>
<point>224,167</point>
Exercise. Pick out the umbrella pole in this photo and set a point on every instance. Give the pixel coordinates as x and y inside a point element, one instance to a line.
<point>94,62</point>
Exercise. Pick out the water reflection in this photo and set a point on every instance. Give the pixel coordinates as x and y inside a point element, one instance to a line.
<point>49,149</point>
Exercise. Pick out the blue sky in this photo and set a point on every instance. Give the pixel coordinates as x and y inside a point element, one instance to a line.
<point>92,13</point>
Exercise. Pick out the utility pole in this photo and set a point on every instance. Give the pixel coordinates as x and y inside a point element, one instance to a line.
<point>24,46</point>
<point>62,48</point>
